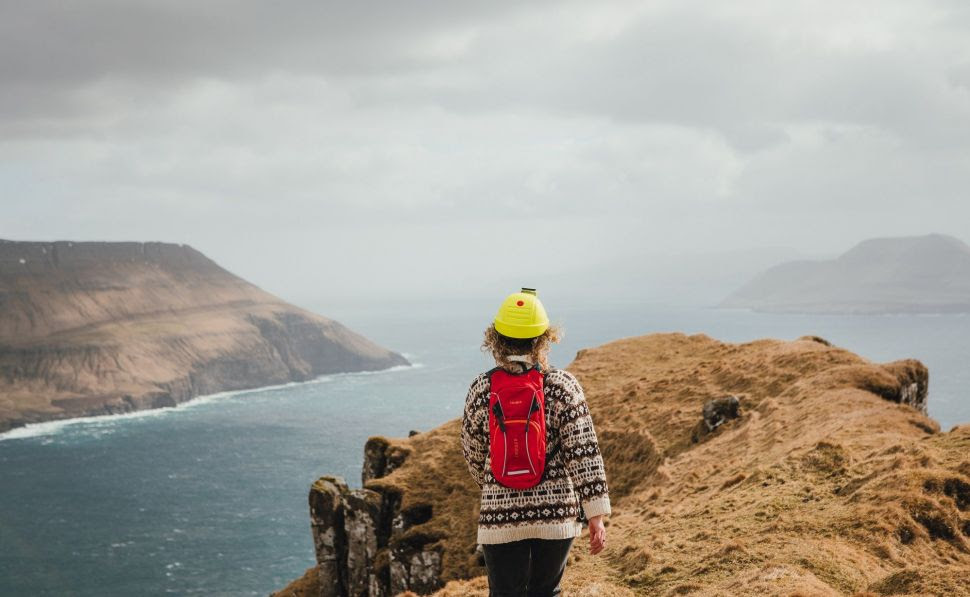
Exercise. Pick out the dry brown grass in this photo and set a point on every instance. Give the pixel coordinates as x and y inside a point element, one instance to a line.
<point>821,487</point>
<point>307,585</point>
<point>435,475</point>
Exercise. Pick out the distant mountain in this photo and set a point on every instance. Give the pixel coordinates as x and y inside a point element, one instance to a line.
<point>95,328</point>
<point>920,274</point>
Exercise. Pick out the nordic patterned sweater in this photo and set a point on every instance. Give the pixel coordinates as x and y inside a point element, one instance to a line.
<point>574,466</point>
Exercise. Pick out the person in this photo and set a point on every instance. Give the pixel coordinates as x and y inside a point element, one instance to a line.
<point>526,534</point>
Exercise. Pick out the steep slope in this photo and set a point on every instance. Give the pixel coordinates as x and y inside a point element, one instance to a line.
<point>830,481</point>
<point>93,328</point>
<point>884,275</point>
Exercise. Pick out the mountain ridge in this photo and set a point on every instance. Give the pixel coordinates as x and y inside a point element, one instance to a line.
<point>916,274</point>
<point>91,328</point>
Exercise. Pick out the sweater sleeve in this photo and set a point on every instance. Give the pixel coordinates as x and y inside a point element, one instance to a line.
<point>580,449</point>
<point>474,424</point>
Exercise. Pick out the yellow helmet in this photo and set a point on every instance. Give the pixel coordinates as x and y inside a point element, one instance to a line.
<point>522,315</point>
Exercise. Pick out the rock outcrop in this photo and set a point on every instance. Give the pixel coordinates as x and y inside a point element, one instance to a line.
<point>100,328</point>
<point>362,537</point>
<point>375,540</point>
<point>719,411</point>
<point>831,480</point>
<point>922,274</point>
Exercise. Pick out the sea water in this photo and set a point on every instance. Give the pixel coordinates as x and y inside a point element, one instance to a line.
<point>210,498</point>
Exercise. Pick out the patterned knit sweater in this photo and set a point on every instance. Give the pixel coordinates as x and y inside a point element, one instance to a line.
<point>574,467</point>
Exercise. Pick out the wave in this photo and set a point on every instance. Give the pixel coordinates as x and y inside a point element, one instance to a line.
<point>377,372</point>
<point>46,428</point>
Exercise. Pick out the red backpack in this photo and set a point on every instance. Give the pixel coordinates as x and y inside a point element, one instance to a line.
<point>517,427</point>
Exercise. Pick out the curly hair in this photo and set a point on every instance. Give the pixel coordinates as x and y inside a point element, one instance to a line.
<point>503,347</point>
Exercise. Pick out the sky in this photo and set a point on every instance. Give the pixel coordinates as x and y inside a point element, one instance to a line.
<point>365,151</point>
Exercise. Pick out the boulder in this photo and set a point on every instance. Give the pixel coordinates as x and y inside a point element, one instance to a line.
<point>719,410</point>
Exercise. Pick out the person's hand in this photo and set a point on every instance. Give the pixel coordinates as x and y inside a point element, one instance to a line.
<point>597,535</point>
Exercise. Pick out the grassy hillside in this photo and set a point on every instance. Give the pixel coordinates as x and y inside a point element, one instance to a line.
<point>826,484</point>
<point>99,328</point>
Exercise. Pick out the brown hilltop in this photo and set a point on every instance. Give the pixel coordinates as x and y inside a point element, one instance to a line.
<point>93,328</point>
<point>832,481</point>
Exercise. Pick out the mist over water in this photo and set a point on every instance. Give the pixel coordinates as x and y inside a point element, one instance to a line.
<point>210,499</point>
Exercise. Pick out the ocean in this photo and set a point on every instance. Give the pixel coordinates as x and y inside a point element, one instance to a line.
<point>209,498</point>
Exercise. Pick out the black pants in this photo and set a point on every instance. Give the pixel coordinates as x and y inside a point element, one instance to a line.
<point>526,568</point>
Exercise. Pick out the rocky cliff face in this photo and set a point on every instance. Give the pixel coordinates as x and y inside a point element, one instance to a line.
<point>768,467</point>
<point>98,328</point>
<point>376,540</point>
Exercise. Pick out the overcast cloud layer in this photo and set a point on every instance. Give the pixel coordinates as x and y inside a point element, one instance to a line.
<point>400,149</point>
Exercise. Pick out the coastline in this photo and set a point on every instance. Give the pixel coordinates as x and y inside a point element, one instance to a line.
<point>53,426</point>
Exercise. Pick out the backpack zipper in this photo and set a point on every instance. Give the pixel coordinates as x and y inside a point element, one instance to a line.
<point>532,408</point>
<point>497,410</point>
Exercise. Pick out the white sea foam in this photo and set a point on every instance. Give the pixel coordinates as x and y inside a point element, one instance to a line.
<point>104,422</point>
<point>52,427</point>
<point>378,372</point>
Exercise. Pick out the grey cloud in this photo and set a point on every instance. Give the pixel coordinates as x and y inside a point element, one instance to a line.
<point>677,64</point>
<point>51,51</point>
<point>714,71</point>
<point>302,144</point>
<point>77,41</point>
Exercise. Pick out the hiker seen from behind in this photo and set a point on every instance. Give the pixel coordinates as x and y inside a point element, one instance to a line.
<point>529,442</point>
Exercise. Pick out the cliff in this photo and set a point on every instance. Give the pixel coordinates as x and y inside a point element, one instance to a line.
<point>768,467</point>
<point>97,328</point>
<point>924,274</point>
